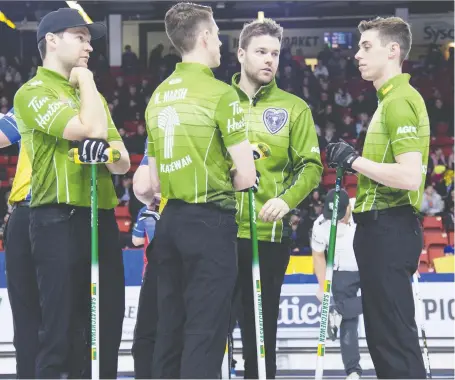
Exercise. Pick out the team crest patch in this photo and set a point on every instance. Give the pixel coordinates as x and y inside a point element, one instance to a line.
<point>275,119</point>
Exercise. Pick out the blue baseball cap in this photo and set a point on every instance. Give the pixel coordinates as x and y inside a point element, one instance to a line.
<point>65,18</point>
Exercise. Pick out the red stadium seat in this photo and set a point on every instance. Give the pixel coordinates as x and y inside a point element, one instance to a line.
<point>424,257</point>
<point>135,159</point>
<point>4,184</point>
<point>447,150</point>
<point>424,268</point>
<point>435,238</point>
<point>124,224</point>
<point>130,126</point>
<point>122,212</point>
<point>329,170</point>
<point>432,223</point>
<point>323,154</point>
<point>11,171</point>
<point>13,160</point>
<point>442,129</point>
<point>328,179</point>
<point>351,190</point>
<point>442,141</point>
<point>434,252</point>
<point>3,160</point>
<point>350,179</point>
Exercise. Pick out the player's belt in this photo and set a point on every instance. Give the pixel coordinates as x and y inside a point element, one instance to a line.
<point>21,204</point>
<point>373,215</point>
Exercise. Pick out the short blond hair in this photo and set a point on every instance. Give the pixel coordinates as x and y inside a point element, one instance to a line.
<point>391,29</point>
<point>182,24</point>
<point>266,27</point>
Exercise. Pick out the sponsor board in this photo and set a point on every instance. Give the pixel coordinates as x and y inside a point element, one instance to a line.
<point>299,315</point>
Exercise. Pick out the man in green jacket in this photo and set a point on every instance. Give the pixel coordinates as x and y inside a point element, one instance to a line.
<point>284,122</point>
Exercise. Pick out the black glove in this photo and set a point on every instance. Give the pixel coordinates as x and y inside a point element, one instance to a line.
<point>92,151</point>
<point>341,154</point>
<point>255,186</point>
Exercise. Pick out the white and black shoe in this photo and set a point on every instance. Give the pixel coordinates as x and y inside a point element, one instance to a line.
<point>334,324</point>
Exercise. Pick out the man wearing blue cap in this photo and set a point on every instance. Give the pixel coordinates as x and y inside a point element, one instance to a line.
<point>60,108</point>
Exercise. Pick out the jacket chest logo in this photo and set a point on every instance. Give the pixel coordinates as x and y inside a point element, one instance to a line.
<point>275,119</point>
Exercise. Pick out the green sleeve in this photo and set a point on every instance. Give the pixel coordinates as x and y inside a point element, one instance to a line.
<point>230,119</point>
<point>402,123</point>
<point>41,109</point>
<point>150,144</point>
<point>112,132</point>
<point>305,159</point>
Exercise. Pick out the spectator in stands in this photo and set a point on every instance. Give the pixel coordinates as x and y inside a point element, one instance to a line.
<point>145,89</point>
<point>347,128</point>
<point>4,102</point>
<point>315,210</point>
<point>117,112</point>
<point>360,105</point>
<point>306,95</point>
<point>320,71</point>
<point>121,89</point>
<point>10,87</point>
<point>438,157</point>
<point>138,99</point>
<point>432,203</point>
<point>3,65</point>
<point>343,98</point>
<point>160,76</point>
<point>286,59</point>
<point>18,79</point>
<point>130,63</point>
<point>325,55</point>
<point>125,190</point>
<point>448,217</point>
<point>430,102</point>
<point>325,87</point>
<point>170,60</point>
<point>132,109</point>
<point>123,135</point>
<point>439,114</point>
<point>32,72</point>
<point>328,116</point>
<point>155,58</point>
<point>434,57</point>
<point>137,141</point>
<point>299,235</point>
<point>287,80</point>
<point>334,66</point>
<point>321,104</point>
<point>450,162</point>
<point>362,123</point>
<point>329,136</point>
<point>132,93</point>
<point>444,184</point>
